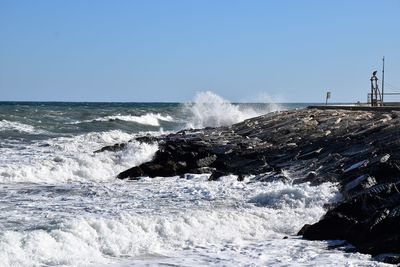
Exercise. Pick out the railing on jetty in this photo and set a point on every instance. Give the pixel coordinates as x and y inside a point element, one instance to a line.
<point>357,108</point>
<point>390,99</point>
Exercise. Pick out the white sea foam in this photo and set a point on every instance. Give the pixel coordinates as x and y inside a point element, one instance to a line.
<point>172,220</point>
<point>6,125</point>
<point>72,158</point>
<point>152,119</point>
<point>148,119</point>
<point>211,110</point>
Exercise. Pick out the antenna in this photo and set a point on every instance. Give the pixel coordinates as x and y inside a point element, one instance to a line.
<point>383,77</point>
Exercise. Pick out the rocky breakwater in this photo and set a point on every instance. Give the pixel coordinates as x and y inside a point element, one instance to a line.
<point>359,150</point>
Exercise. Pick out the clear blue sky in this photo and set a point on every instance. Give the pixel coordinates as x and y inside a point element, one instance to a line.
<point>167,50</point>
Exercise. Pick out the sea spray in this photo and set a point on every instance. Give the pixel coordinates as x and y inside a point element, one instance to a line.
<point>211,110</point>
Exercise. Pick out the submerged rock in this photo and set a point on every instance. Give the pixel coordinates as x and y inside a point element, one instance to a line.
<point>113,148</point>
<point>359,150</point>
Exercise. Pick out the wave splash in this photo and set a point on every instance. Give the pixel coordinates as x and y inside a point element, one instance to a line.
<point>210,110</point>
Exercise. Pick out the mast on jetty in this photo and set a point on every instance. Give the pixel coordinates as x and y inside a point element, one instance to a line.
<point>376,96</point>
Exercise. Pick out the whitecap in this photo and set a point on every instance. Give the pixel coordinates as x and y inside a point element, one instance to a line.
<point>152,119</point>
<point>6,125</point>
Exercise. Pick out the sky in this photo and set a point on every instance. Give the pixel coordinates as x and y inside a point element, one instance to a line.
<point>167,50</point>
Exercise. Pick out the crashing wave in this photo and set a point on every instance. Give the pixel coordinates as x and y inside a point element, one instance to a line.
<point>210,110</point>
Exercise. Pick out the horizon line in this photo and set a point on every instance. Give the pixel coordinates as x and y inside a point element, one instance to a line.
<point>157,102</point>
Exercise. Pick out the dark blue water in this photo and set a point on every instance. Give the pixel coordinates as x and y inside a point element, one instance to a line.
<point>40,120</point>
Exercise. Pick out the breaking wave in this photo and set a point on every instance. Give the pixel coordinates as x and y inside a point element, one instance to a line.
<point>210,110</point>
<point>151,119</point>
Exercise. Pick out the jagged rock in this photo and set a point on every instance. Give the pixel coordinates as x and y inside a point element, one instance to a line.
<point>116,147</point>
<point>362,182</point>
<point>206,161</point>
<point>148,139</point>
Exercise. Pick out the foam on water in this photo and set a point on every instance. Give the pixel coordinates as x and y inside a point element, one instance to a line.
<point>146,119</point>
<point>211,110</point>
<point>72,159</point>
<point>161,220</point>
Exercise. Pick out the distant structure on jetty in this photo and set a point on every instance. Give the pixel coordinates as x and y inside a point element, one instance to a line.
<point>375,99</point>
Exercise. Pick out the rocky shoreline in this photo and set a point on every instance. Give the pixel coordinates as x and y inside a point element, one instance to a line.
<point>359,150</point>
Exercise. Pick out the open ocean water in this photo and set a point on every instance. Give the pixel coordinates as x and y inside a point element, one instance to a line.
<point>61,205</point>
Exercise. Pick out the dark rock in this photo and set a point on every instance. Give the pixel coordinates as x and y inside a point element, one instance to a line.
<point>206,161</point>
<point>310,155</point>
<point>360,183</point>
<point>133,173</point>
<point>114,148</point>
<point>303,229</point>
<point>394,259</point>
<point>333,226</point>
<point>216,175</point>
<point>240,178</point>
<point>148,139</point>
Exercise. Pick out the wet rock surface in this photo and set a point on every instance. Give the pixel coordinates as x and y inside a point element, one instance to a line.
<point>359,150</point>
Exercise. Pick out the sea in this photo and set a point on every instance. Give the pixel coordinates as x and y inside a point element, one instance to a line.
<point>61,204</point>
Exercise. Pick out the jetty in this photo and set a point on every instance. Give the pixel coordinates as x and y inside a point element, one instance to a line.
<point>356,147</point>
<point>357,150</point>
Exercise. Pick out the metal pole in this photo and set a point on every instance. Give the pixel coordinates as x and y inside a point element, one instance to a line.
<point>372,91</point>
<point>383,77</point>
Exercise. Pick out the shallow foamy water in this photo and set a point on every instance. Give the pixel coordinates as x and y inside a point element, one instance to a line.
<point>161,221</point>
